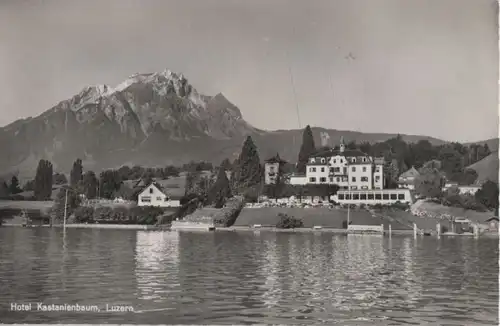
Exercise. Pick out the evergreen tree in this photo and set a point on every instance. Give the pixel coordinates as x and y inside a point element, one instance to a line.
<point>248,172</point>
<point>14,186</point>
<point>76,174</point>
<point>4,189</point>
<point>306,149</point>
<point>90,184</point>
<point>43,180</point>
<point>220,190</point>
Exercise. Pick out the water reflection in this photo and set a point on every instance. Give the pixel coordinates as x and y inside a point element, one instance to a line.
<point>239,278</point>
<point>157,256</point>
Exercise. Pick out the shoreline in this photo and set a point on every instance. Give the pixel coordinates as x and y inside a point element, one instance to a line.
<point>265,229</point>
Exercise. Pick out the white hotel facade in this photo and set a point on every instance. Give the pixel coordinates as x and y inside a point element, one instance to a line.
<point>349,169</point>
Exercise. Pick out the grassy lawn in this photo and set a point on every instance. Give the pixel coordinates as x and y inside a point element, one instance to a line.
<point>328,218</point>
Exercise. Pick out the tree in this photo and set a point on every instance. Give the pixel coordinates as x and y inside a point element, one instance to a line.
<point>306,149</point>
<point>14,186</point>
<point>59,179</point>
<point>110,183</point>
<point>89,185</point>
<point>429,183</point>
<point>249,171</point>
<point>452,162</point>
<point>76,174</point>
<point>43,180</point>
<point>29,185</point>
<point>220,190</point>
<point>226,164</point>
<point>4,189</point>
<point>488,195</point>
<point>125,172</point>
<point>351,145</point>
<point>72,202</point>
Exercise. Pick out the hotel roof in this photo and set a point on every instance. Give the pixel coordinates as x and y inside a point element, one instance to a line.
<point>346,153</point>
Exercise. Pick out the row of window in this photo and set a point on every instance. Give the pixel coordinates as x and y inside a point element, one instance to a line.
<point>352,159</point>
<point>147,199</point>
<point>372,196</point>
<point>344,179</point>
<point>336,169</point>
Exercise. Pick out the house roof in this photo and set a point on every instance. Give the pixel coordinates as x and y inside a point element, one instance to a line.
<point>346,153</point>
<point>276,159</point>
<point>411,173</point>
<point>157,185</point>
<point>494,218</point>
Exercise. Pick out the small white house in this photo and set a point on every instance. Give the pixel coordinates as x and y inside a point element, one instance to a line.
<point>153,195</point>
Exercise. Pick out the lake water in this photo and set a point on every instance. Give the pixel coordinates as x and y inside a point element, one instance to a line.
<point>248,278</point>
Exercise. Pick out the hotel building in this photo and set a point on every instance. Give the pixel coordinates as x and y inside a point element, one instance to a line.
<point>349,169</point>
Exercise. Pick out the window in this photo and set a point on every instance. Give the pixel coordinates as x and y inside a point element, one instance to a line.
<point>355,197</point>
<point>322,160</point>
<point>364,187</point>
<point>401,196</point>
<point>338,179</point>
<point>348,197</point>
<point>146,199</point>
<point>385,196</point>
<point>312,179</point>
<point>341,196</point>
<point>158,198</point>
<point>363,159</point>
<point>271,168</point>
<point>345,170</point>
<point>377,169</point>
<point>341,161</point>
<point>166,199</point>
<point>353,179</point>
<point>354,187</point>
<point>322,179</point>
<point>362,196</point>
<point>331,170</point>
<point>334,161</point>
<point>331,179</point>
<point>364,168</point>
<point>150,190</point>
<point>378,196</point>
<point>322,169</point>
<point>364,179</point>
<point>353,160</point>
<point>353,169</point>
<point>377,178</point>
<point>394,196</point>
<point>313,169</point>
<point>313,160</point>
<point>336,169</point>
<point>370,196</point>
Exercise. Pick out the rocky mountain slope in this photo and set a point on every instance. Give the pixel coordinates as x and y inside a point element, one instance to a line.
<point>151,119</point>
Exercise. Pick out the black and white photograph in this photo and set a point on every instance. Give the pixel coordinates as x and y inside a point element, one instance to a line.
<point>249,162</point>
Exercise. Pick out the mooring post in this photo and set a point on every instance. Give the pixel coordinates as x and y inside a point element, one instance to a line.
<point>415,230</point>
<point>438,230</point>
<point>390,229</point>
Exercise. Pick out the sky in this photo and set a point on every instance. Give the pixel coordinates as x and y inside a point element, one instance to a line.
<point>426,67</point>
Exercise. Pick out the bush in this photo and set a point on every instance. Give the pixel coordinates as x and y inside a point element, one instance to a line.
<point>288,222</point>
<point>84,214</point>
<point>229,213</point>
<point>400,206</point>
<point>145,214</point>
<point>121,214</point>
<point>103,213</point>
